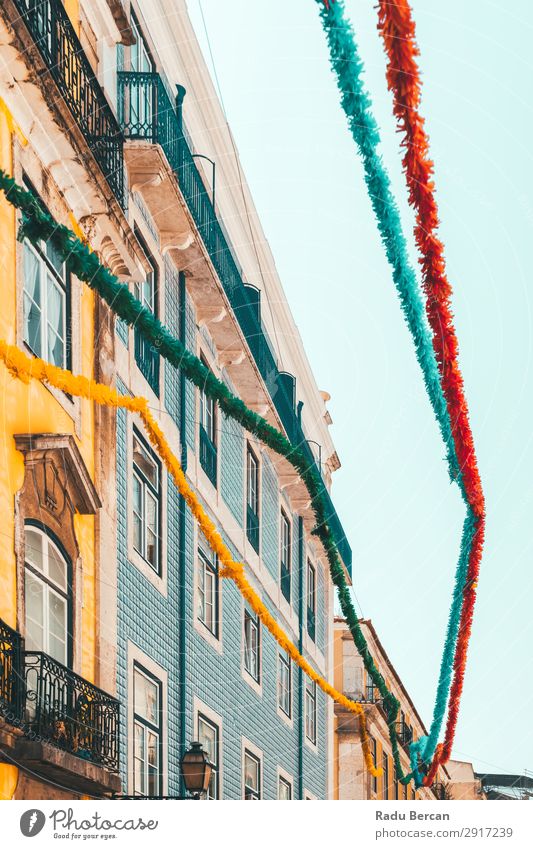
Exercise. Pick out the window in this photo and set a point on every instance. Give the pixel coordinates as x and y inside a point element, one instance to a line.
<point>385,776</point>
<point>46,303</point>
<point>311,600</point>
<point>310,710</point>
<point>146,502</point>
<point>146,355</point>
<point>47,596</point>
<point>208,437</point>
<point>284,683</point>
<point>284,789</point>
<point>251,645</point>
<point>208,735</point>
<point>285,556</point>
<point>147,734</point>
<point>252,498</point>
<point>207,593</point>
<point>373,780</point>
<point>252,776</point>
<point>396,784</point>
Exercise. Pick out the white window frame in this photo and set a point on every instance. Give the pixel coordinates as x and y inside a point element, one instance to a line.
<point>48,276</point>
<point>254,754</point>
<point>285,778</point>
<point>311,697</point>
<point>136,657</point>
<point>285,543</point>
<point>201,709</point>
<point>49,589</point>
<point>254,626</point>
<point>202,717</point>
<point>284,666</point>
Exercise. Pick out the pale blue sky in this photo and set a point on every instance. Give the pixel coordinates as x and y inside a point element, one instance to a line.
<point>402,516</point>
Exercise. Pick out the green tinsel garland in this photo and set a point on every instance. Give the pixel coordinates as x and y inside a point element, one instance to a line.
<point>38,224</point>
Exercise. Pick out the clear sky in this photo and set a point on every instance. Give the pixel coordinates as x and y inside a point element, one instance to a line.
<point>392,493</point>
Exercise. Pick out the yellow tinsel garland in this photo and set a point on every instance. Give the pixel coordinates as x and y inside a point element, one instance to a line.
<point>25,368</point>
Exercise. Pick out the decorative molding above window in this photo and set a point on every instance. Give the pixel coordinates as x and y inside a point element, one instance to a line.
<point>58,471</point>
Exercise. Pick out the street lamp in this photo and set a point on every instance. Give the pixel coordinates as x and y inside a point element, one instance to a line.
<point>196,770</point>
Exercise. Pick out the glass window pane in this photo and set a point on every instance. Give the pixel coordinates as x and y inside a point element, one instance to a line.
<point>32,280</point>
<point>57,568</point>
<point>151,548</point>
<point>55,319</point>
<point>146,698</point>
<point>151,512</point>
<point>33,548</point>
<point>32,300</point>
<point>153,749</point>
<point>55,258</point>
<point>284,790</point>
<point>139,741</point>
<point>34,598</point>
<point>32,326</point>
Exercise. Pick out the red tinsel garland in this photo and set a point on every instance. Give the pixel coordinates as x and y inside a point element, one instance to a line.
<point>397,29</point>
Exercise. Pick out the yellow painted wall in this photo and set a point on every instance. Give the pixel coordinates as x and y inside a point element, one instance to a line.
<point>72,8</point>
<point>31,408</point>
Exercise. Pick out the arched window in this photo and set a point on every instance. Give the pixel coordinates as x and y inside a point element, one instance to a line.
<point>47,595</point>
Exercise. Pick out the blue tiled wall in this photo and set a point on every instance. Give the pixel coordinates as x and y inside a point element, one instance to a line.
<point>151,621</point>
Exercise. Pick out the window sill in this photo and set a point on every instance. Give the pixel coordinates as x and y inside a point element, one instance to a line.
<point>256,686</point>
<point>288,720</point>
<point>207,635</point>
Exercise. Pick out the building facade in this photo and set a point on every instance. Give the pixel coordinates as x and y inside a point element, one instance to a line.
<point>110,596</point>
<point>352,780</point>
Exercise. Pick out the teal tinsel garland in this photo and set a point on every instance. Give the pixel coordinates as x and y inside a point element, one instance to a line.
<point>38,224</point>
<point>348,67</point>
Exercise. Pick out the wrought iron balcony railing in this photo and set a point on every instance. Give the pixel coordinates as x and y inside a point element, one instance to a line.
<point>67,711</point>
<point>10,673</point>
<point>147,112</point>
<point>208,456</point>
<point>285,582</point>
<point>147,359</point>
<point>252,527</point>
<point>60,48</point>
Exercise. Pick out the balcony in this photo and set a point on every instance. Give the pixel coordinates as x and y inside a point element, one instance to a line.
<point>57,42</point>
<point>252,528</point>
<point>208,456</point>
<point>147,359</point>
<point>55,723</point>
<point>148,115</point>
<point>70,713</point>
<point>285,582</point>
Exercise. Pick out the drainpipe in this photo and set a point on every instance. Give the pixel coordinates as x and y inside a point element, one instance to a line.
<point>182,520</point>
<point>301,562</point>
